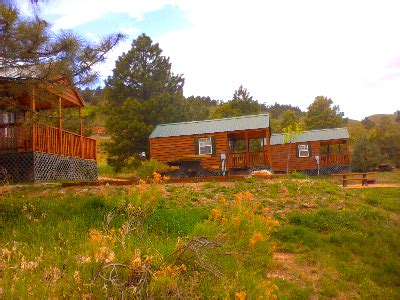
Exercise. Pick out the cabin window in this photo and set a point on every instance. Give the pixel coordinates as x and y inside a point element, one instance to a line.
<point>7,118</point>
<point>303,151</point>
<point>205,145</point>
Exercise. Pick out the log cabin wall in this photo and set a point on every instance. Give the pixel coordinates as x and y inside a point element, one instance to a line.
<point>279,155</point>
<point>168,149</point>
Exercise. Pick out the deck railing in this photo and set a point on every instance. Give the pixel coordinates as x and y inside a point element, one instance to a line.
<point>241,160</point>
<point>334,159</point>
<point>46,139</point>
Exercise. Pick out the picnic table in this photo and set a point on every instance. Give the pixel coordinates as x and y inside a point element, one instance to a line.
<point>364,177</point>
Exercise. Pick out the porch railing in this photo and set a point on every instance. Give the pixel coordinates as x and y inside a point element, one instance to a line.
<point>334,159</point>
<point>46,139</point>
<point>241,160</point>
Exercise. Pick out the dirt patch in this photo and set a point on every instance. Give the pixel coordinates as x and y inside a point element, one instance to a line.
<point>287,268</point>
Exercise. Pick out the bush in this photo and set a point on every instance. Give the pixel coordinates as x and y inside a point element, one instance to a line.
<point>297,175</point>
<point>366,155</point>
<point>148,167</point>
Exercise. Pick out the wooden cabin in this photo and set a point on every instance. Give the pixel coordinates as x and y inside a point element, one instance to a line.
<point>30,151</point>
<point>242,144</point>
<point>213,146</point>
<point>323,151</point>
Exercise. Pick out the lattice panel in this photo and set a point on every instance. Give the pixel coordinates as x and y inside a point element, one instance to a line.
<point>53,167</point>
<point>16,167</point>
<point>35,166</point>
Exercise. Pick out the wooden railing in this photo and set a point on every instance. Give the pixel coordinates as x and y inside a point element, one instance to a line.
<point>256,158</point>
<point>334,159</point>
<point>239,160</point>
<point>46,139</point>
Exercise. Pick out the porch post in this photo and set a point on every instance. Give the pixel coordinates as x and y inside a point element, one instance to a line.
<point>247,150</point>
<point>263,148</point>
<point>33,109</point>
<point>81,130</point>
<point>60,125</point>
<point>267,137</point>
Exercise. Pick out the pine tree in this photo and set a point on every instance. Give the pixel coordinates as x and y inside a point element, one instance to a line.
<point>141,93</point>
<point>320,114</point>
<point>32,55</point>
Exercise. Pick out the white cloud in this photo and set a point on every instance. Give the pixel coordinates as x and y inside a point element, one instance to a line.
<point>291,51</point>
<point>77,12</point>
<point>287,51</point>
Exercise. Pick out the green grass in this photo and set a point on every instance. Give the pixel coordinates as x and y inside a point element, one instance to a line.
<point>333,242</point>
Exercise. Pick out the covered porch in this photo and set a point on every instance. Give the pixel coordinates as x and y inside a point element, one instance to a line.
<point>247,149</point>
<point>21,128</point>
<point>334,152</point>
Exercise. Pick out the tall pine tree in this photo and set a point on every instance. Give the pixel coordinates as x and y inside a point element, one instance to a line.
<point>141,93</point>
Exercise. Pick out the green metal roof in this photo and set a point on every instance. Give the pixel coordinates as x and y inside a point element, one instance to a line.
<point>314,135</point>
<point>211,126</point>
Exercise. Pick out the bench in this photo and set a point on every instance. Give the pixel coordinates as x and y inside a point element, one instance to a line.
<point>364,178</point>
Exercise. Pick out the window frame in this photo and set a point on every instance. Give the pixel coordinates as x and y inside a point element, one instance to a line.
<point>209,144</point>
<point>300,150</point>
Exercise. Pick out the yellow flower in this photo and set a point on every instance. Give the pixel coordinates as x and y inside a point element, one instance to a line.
<point>216,213</point>
<point>105,254</point>
<point>257,236</point>
<point>240,295</point>
<point>266,209</point>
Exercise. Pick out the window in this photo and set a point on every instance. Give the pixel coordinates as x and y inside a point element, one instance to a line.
<point>205,145</point>
<point>303,151</point>
<point>7,118</point>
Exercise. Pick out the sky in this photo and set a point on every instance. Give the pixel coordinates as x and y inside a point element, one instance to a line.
<point>285,51</point>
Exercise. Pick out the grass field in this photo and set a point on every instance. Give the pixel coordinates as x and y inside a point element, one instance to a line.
<point>286,238</point>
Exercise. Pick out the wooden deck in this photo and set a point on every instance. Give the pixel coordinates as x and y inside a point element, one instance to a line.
<point>46,139</point>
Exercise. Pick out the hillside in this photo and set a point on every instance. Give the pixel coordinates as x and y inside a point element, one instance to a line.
<point>292,238</point>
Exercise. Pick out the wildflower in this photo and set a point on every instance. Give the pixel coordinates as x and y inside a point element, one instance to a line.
<point>83,260</point>
<point>248,196</point>
<point>272,247</point>
<point>257,236</point>
<point>136,261</point>
<point>28,265</point>
<point>95,236</point>
<point>77,276</point>
<point>104,254</point>
<point>236,220</point>
<point>6,254</point>
<point>216,213</point>
<point>240,295</point>
<point>266,209</point>
<point>223,220</point>
<point>222,200</point>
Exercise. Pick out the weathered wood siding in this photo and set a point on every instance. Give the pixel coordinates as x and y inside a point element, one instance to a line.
<point>279,155</point>
<point>168,149</point>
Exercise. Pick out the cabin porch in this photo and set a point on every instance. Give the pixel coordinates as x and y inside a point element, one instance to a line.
<point>34,145</point>
<point>45,139</point>
<point>333,153</point>
<point>248,149</point>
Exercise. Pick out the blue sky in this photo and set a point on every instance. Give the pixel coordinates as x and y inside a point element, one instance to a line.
<point>285,51</point>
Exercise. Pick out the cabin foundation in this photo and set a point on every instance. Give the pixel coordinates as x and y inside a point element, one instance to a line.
<point>37,167</point>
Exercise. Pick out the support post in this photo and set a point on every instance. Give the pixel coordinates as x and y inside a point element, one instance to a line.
<point>33,109</point>
<point>81,130</point>
<point>268,138</point>
<point>60,124</point>
<point>247,150</point>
